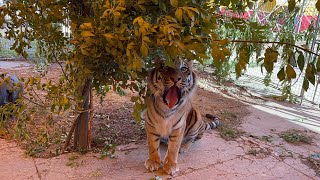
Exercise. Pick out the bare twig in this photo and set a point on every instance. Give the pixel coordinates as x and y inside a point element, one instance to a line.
<point>38,96</point>
<point>62,69</point>
<point>43,106</point>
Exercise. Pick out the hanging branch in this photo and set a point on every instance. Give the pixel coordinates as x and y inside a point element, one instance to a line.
<point>270,42</point>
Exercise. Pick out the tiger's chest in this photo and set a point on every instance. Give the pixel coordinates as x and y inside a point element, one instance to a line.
<point>162,122</point>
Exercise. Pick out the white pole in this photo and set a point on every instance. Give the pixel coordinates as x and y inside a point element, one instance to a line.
<point>301,14</point>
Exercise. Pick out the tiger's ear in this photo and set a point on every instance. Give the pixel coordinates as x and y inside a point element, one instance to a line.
<point>158,61</point>
<point>190,64</point>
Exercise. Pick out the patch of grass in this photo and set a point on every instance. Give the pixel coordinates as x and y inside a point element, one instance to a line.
<point>74,164</point>
<point>253,152</point>
<point>7,53</point>
<point>295,137</point>
<point>33,151</point>
<point>95,173</point>
<point>108,151</point>
<point>71,158</point>
<point>157,178</point>
<point>227,115</point>
<point>266,138</point>
<point>229,133</point>
<point>314,160</point>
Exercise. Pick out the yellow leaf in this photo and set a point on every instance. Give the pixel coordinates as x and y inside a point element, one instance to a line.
<point>194,9</point>
<point>108,35</point>
<point>108,4</point>
<point>86,34</point>
<point>85,52</point>
<point>144,49</point>
<point>224,42</point>
<point>142,8</point>
<point>193,30</point>
<point>191,15</point>
<point>146,39</point>
<point>117,14</point>
<point>226,51</point>
<point>291,74</point>
<point>180,45</point>
<point>203,56</point>
<point>174,3</point>
<point>179,14</point>
<point>131,45</point>
<point>86,26</point>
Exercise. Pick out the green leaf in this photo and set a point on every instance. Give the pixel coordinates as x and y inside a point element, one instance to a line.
<point>169,63</point>
<point>318,5</point>
<point>300,61</point>
<point>291,5</point>
<point>174,3</point>
<point>305,84</point>
<point>281,75</point>
<point>162,6</point>
<point>134,98</point>
<point>310,74</point>
<point>238,69</point>
<point>291,74</point>
<point>250,5</point>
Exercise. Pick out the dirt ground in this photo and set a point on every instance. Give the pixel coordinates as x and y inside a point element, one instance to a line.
<point>112,120</point>
<point>250,146</point>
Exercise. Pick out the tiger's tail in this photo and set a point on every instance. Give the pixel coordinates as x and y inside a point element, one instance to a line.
<point>214,123</point>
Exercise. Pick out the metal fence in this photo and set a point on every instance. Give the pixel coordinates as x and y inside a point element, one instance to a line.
<point>307,14</point>
<point>312,95</point>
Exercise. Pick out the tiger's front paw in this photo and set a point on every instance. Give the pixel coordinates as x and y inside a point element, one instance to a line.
<point>152,165</point>
<point>170,167</point>
<point>185,147</point>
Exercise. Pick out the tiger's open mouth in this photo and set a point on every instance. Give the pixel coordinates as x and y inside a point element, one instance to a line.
<point>172,96</point>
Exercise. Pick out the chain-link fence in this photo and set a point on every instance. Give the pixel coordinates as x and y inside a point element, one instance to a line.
<point>305,17</point>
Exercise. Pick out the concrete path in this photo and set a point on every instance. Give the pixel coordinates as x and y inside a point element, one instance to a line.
<point>247,157</point>
<point>14,64</point>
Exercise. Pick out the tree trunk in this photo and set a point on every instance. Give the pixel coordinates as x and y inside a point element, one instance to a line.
<point>80,10</point>
<point>81,131</point>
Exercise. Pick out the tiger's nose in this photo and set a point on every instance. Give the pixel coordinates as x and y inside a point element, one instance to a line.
<point>175,80</point>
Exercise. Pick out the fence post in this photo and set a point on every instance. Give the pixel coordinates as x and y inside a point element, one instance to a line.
<point>301,14</point>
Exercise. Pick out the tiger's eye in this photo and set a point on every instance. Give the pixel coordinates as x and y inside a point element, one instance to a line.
<point>184,69</point>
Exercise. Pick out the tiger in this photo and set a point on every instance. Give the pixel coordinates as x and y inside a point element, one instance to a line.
<point>170,113</point>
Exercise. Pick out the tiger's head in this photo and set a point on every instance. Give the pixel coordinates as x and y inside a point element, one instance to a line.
<point>172,84</point>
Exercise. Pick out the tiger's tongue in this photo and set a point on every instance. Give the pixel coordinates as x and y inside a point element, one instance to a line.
<point>172,96</point>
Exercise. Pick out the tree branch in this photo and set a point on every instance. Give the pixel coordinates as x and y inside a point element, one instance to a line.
<point>57,61</point>
<point>270,42</point>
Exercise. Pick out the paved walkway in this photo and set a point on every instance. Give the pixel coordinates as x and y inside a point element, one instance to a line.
<point>248,157</point>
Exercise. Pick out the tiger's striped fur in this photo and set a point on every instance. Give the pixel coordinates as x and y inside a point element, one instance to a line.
<point>182,123</point>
